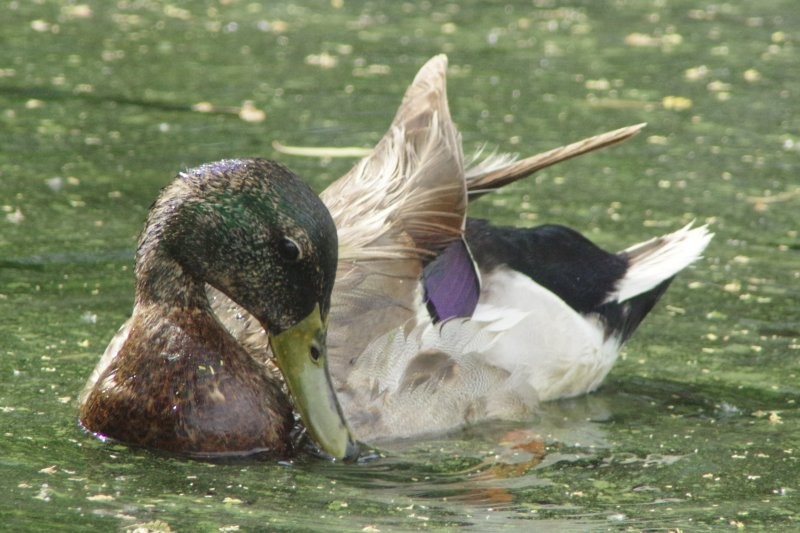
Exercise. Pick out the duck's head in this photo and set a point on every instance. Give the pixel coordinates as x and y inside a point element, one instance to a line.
<point>258,233</point>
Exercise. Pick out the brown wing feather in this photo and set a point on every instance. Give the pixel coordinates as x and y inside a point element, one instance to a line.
<point>479,183</point>
<point>403,203</point>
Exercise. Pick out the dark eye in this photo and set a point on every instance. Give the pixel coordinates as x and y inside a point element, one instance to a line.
<point>289,249</point>
<point>315,353</point>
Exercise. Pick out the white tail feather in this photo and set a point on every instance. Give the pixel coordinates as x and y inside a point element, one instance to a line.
<point>658,259</point>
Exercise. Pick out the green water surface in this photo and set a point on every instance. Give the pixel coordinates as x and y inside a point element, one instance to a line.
<point>698,425</point>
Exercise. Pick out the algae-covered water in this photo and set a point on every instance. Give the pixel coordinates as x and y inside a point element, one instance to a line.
<point>698,425</point>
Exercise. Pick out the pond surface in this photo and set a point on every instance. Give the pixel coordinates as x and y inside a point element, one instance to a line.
<point>698,425</point>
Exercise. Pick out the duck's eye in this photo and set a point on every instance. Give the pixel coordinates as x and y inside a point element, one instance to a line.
<point>315,352</point>
<point>289,249</point>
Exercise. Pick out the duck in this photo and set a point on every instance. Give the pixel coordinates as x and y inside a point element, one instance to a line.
<point>173,378</point>
<point>439,320</point>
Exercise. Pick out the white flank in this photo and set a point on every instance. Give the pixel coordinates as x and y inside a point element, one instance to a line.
<point>556,350</point>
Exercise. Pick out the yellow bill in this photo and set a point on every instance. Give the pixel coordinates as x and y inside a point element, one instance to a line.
<point>301,355</point>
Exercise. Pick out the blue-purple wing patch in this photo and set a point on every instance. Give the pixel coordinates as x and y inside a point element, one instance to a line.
<point>452,283</point>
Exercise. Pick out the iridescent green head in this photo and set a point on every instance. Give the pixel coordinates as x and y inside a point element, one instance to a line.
<point>257,232</point>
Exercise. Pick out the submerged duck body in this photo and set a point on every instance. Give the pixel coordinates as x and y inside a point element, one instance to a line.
<point>174,378</point>
<point>438,320</point>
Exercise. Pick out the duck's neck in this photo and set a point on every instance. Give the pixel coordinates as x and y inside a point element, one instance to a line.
<point>161,280</point>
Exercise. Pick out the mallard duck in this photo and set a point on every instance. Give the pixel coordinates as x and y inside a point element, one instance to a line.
<point>173,378</point>
<point>438,320</point>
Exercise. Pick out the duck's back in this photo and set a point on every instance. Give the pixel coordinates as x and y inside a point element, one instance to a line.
<point>554,256</point>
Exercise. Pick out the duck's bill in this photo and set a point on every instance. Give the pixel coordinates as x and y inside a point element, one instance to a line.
<point>301,354</point>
